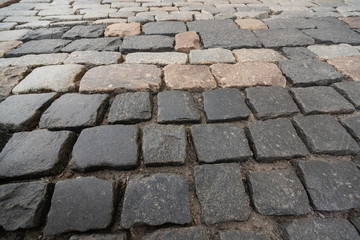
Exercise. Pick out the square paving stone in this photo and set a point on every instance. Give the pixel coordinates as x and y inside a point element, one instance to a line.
<point>164,145</point>
<point>38,47</point>
<point>22,112</point>
<point>164,28</point>
<point>24,205</point>
<point>44,33</point>
<point>195,233</point>
<point>237,234</point>
<point>332,186</point>
<point>221,193</point>
<point>165,200</point>
<point>106,147</point>
<point>93,58</point>
<point>349,66</point>
<point>147,43</point>
<point>334,35</point>
<point>258,55</point>
<point>311,228</point>
<point>210,56</point>
<point>220,143</point>
<point>275,139</point>
<point>298,53</point>
<point>270,102</point>
<point>10,77</point>
<point>93,44</point>
<point>37,153</point>
<point>176,106</point>
<point>275,38</point>
<point>81,204</point>
<point>130,107</point>
<point>240,38</point>
<point>57,78</point>
<point>92,31</point>
<point>278,193</point>
<point>286,23</point>
<point>224,105</point>
<point>317,100</point>
<point>309,72</point>
<point>324,135</point>
<point>326,52</point>
<point>117,77</point>
<point>352,125</point>
<point>75,111</point>
<point>100,236</point>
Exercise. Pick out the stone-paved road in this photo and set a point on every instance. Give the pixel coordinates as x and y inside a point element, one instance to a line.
<point>180,119</point>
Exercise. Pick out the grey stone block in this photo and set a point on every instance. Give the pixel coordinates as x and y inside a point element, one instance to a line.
<point>147,43</point>
<point>334,36</point>
<point>286,23</point>
<point>350,90</point>
<point>94,44</point>
<point>38,47</point>
<point>100,236</point>
<point>298,53</point>
<point>277,38</point>
<point>237,234</point>
<point>356,222</point>
<point>44,33</point>
<point>212,26</point>
<point>195,233</point>
<point>352,125</point>
<point>164,28</point>
<point>240,38</point>
<point>92,31</point>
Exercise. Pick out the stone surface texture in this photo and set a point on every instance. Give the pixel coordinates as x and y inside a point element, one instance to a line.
<point>348,66</point>
<point>10,77</point>
<point>122,29</point>
<point>186,41</point>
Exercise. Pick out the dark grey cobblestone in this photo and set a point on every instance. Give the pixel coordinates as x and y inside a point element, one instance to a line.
<point>44,33</point>
<point>350,90</point>
<point>283,38</point>
<point>352,125</point>
<point>356,222</point>
<point>94,44</point>
<point>334,35</point>
<point>99,236</point>
<point>288,23</point>
<point>77,32</point>
<point>237,234</point>
<point>212,26</point>
<point>240,38</point>
<point>298,53</point>
<point>39,47</point>
<point>147,43</point>
<point>195,233</point>
<point>164,28</point>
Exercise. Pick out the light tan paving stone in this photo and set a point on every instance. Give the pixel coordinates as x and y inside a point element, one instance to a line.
<point>248,74</point>
<point>164,9</point>
<point>7,46</point>
<point>250,24</point>
<point>93,58</point>
<point>10,77</point>
<point>122,29</point>
<point>332,51</point>
<point>348,66</point>
<point>58,78</point>
<point>188,77</point>
<point>35,60</point>
<point>203,16</point>
<point>258,55</point>
<point>175,16</point>
<point>210,56</point>
<point>118,77</point>
<point>12,35</point>
<point>157,58</point>
<point>34,25</point>
<point>252,14</point>
<point>186,41</point>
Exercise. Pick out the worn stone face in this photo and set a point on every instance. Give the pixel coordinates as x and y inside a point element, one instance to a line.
<point>100,236</point>
<point>93,44</point>
<point>350,91</point>
<point>224,105</point>
<point>92,31</point>
<point>122,29</point>
<point>324,135</point>
<point>186,41</point>
<point>276,38</point>
<point>352,125</point>
<point>210,56</point>
<point>237,234</point>
<point>35,60</point>
<point>221,193</point>
<point>7,46</point>
<point>293,22</point>
<point>188,77</point>
<point>257,55</point>
<point>38,47</point>
<point>311,228</point>
<point>166,201</point>
<point>44,33</point>
<point>164,28</point>
<point>122,76</point>
<point>332,51</point>
<point>220,143</point>
<point>278,193</point>
<point>74,111</point>
<point>157,58</point>
<point>309,72</point>
<point>130,107</point>
<point>58,78</point>
<point>240,38</point>
<point>10,77</point>
<point>196,233</point>
<point>176,107</point>
<point>212,26</point>
<point>12,35</point>
<point>93,58</point>
<point>106,147</point>
<point>334,35</point>
<point>248,74</point>
<point>251,24</point>
<point>88,205</point>
<point>38,153</point>
<point>147,43</point>
<point>22,112</point>
<point>298,53</point>
<point>24,205</point>
<point>274,140</point>
<point>354,22</point>
<point>164,145</point>
<point>348,66</point>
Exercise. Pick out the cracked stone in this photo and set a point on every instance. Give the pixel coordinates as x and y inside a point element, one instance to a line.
<point>275,38</point>
<point>164,28</point>
<point>211,56</point>
<point>94,44</point>
<point>350,90</point>
<point>258,55</point>
<point>348,66</point>
<point>38,47</point>
<point>92,31</point>
<point>122,29</point>
<point>10,77</point>
<point>186,41</point>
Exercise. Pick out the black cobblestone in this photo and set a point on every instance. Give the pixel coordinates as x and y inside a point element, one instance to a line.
<point>93,44</point>
<point>164,28</point>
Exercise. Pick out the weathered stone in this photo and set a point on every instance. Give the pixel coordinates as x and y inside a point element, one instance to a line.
<point>121,76</point>
<point>278,193</point>
<point>164,145</point>
<point>309,72</point>
<point>164,28</point>
<point>352,125</point>
<point>176,106</point>
<point>7,46</point>
<point>56,11</point>
<point>92,31</point>
<point>195,233</point>
<point>188,77</point>
<point>93,58</point>
<point>166,201</point>
<point>288,23</point>
<point>354,22</point>
<point>275,38</point>
<point>333,35</point>
<point>298,52</point>
<point>22,112</point>
<point>356,222</point>
<point>237,234</point>
<point>130,107</point>
<point>221,193</point>
<point>248,74</point>
<point>212,26</point>
<point>251,24</point>
<point>44,33</point>
<point>175,16</point>
<point>224,105</point>
<point>74,111</point>
<point>318,100</point>
<point>12,35</point>
<point>38,47</point>
<point>94,44</point>
<point>157,58</point>
<point>10,77</point>
<point>270,102</point>
<point>100,236</point>
<point>33,60</point>
<point>210,56</point>
<point>147,43</point>
<point>68,23</point>
<point>332,51</point>
<point>89,204</point>
<point>274,140</point>
<point>349,66</point>
<point>220,143</point>
<point>109,21</point>
<point>252,14</point>
<point>186,41</point>
<point>258,55</point>
<point>34,25</point>
<point>58,78</point>
<point>350,90</point>
<point>106,147</point>
<point>324,135</point>
<point>37,153</point>
<point>21,19</point>
<point>122,29</point>
<point>24,205</point>
<point>311,228</point>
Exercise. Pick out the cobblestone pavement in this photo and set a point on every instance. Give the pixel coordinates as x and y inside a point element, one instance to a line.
<point>180,119</point>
